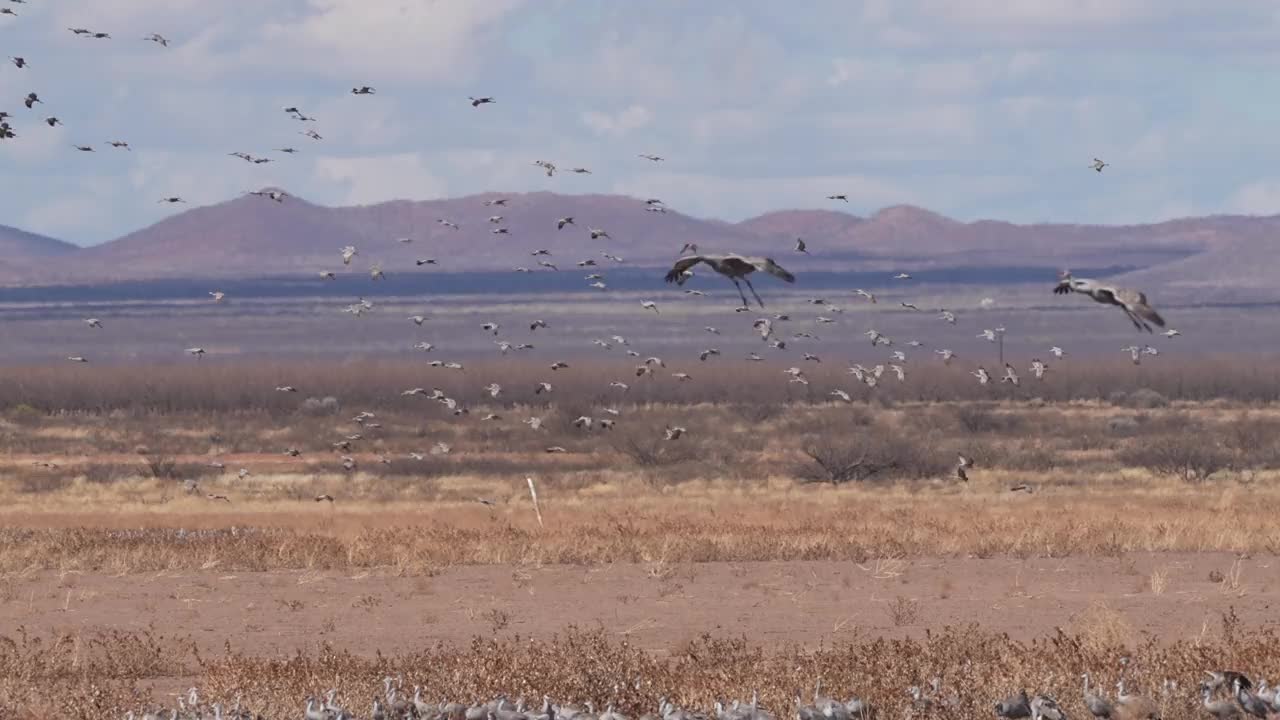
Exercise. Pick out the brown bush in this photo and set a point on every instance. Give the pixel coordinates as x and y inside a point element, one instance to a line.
<point>1192,457</point>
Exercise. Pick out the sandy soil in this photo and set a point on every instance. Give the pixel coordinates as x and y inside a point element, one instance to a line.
<point>657,607</point>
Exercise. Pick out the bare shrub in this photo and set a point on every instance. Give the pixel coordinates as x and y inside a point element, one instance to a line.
<point>979,419</point>
<point>1145,399</point>
<point>162,467</point>
<point>1123,425</point>
<point>1192,457</point>
<point>756,413</point>
<point>904,611</point>
<point>327,405</point>
<point>840,457</point>
<point>648,447</point>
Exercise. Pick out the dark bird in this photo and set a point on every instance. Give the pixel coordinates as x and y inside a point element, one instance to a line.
<point>732,267</point>
<point>1133,303</point>
<point>800,246</point>
<point>52,121</point>
<point>838,197</point>
<point>1098,164</point>
<point>287,150</point>
<point>652,158</point>
<point>19,62</point>
<point>119,144</point>
<point>478,101</point>
<point>171,200</point>
<point>31,100</point>
<point>363,90</point>
<point>83,148</point>
<point>101,36</point>
<point>7,11</point>
<point>326,496</point>
<point>158,39</point>
<point>80,31</point>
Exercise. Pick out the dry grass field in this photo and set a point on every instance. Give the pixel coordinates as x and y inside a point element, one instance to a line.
<point>785,538</point>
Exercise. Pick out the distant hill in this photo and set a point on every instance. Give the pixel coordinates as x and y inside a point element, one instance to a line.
<point>252,237</point>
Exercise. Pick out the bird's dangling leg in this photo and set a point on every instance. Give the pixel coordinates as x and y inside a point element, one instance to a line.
<point>753,292</point>
<point>740,293</point>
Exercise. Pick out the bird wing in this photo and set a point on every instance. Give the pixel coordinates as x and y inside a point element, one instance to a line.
<point>1063,287</point>
<point>1136,303</point>
<point>676,274</point>
<point>773,268</point>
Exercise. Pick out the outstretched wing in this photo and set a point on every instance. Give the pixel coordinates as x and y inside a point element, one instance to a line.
<point>676,274</point>
<point>1136,303</point>
<point>774,269</point>
<point>1063,287</point>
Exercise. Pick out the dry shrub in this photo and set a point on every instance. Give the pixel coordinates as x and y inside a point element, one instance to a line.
<point>975,418</point>
<point>1192,457</point>
<point>1142,399</point>
<point>1100,629</point>
<point>648,447</point>
<point>839,456</point>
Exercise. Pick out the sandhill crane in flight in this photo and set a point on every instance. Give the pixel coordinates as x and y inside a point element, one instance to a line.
<point>675,433</point>
<point>902,276</point>
<point>709,352</point>
<point>608,256</point>
<point>651,158</point>
<point>964,464</point>
<point>732,266</point>
<point>478,101</point>
<point>597,233</point>
<point>328,275</point>
<point>564,221</point>
<point>312,134</point>
<point>500,202</point>
<point>841,394</point>
<point>1133,302</point>
<point>1010,375</point>
<point>580,171</point>
<point>1057,352</point>
<point>537,324</point>
<point>491,327</point>
<point>448,224</point>
<point>863,293</point>
<point>375,272</point>
<point>559,365</point>
<point>988,335</point>
<point>909,306</point>
<point>620,386</point>
<point>198,352</point>
<point>277,195</point>
<point>800,246</point>
<point>1135,353</point>
<point>363,90</point>
<point>1038,368</point>
<point>77,358</point>
<point>8,11</point>
<point>948,316</point>
<point>838,197</point>
<point>83,148</point>
<point>217,295</point>
<point>1097,165</point>
<point>119,144</point>
<point>501,231</point>
<point>1171,333</point>
<point>878,338</point>
<point>983,376</point>
<point>348,252</point>
<point>19,62</point>
<point>158,39</point>
<point>650,305</point>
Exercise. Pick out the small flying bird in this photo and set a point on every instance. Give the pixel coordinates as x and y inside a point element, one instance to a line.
<point>902,276</point>
<point>328,275</point>
<point>348,252</point>
<point>675,433</point>
<point>1057,352</point>
<point>77,358</point>
<point>964,464</point>
<point>171,200</point>
<point>277,195</point>
<point>708,353</point>
<point>425,261</point>
<point>478,101</point>
<point>363,90</point>
<point>1097,165</point>
<point>838,197</point>
<point>800,246</point>
<point>596,233</point>
<point>501,231</point>
<point>80,31</point>
<point>1010,375</point>
<point>581,171</point>
<point>325,498</point>
<point>312,134</point>
<point>118,144</point>
<point>1132,302</point>
<point>948,316</point>
<point>217,295</point>
<point>212,496</point>
<point>1038,368</point>
<point>1171,333</point>
<point>490,327</point>
<point>158,39</point>
<point>652,158</point>
<point>650,305</point>
<point>863,293</point>
<point>909,306</point>
<point>682,376</point>
<point>537,324</point>
<point>983,376</point>
<point>52,121</point>
<point>83,148</point>
<point>198,352</point>
<point>695,293</point>
<point>286,389</point>
<point>100,36</point>
<point>19,62</point>
<point>563,221</point>
<point>1024,487</point>
<point>656,209</point>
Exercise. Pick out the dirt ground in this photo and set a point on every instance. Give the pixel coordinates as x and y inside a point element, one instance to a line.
<point>657,606</point>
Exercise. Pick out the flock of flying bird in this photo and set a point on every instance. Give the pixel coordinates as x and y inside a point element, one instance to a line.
<point>736,268</point>
<point>1225,695</point>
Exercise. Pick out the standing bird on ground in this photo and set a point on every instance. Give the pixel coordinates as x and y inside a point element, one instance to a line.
<point>732,266</point>
<point>1133,302</point>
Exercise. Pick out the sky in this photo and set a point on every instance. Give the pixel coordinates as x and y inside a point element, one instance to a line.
<point>974,109</point>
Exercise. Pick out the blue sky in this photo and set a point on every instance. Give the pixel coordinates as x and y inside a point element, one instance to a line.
<point>977,109</point>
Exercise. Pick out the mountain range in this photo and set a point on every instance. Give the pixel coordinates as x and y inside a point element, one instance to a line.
<point>252,236</point>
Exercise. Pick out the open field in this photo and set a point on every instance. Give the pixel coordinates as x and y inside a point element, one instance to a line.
<point>784,538</point>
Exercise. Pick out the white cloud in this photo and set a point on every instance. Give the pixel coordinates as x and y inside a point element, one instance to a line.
<point>373,179</point>
<point>619,123</point>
